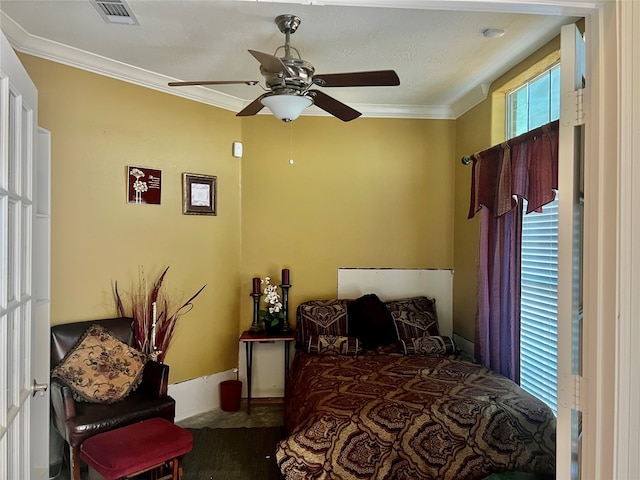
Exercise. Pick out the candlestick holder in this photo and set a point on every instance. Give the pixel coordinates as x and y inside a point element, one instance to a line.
<point>255,326</point>
<point>285,307</point>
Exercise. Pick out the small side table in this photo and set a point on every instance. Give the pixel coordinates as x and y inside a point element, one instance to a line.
<point>249,338</point>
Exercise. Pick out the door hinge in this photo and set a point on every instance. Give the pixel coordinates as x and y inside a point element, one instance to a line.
<point>573,396</point>
<point>573,108</point>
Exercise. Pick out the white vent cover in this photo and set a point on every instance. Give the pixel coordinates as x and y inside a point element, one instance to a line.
<point>115,11</point>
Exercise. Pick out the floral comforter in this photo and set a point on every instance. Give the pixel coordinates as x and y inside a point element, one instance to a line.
<point>389,416</point>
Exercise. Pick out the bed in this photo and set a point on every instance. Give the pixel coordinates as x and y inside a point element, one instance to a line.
<point>365,402</point>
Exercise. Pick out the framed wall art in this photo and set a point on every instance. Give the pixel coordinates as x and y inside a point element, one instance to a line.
<point>199,194</point>
<point>144,185</point>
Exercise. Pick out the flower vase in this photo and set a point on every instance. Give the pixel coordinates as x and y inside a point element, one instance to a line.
<point>273,330</point>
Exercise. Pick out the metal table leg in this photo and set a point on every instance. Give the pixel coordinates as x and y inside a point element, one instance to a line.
<point>249,355</point>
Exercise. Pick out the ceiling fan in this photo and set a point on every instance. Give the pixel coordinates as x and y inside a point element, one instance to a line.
<point>289,80</point>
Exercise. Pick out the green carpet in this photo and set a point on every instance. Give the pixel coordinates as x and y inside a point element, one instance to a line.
<point>233,454</point>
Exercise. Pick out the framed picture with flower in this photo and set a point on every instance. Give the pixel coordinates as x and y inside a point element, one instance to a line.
<point>144,185</point>
<point>199,195</point>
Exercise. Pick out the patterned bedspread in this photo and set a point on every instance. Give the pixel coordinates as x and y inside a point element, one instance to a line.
<point>389,416</point>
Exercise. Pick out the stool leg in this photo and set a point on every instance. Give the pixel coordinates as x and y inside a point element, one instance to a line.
<point>175,465</point>
<point>174,469</point>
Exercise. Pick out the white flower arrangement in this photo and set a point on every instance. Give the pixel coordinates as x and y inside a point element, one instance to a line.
<point>273,313</point>
<point>139,186</point>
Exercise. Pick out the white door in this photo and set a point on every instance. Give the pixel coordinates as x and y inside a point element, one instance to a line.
<point>570,226</point>
<point>24,418</point>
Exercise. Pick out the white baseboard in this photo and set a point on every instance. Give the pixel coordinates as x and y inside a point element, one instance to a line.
<point>198,395</point>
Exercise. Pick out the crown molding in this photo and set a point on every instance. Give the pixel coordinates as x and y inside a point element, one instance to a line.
<point>545,7</point>
<point>24,42</point>
<point>470,99</point>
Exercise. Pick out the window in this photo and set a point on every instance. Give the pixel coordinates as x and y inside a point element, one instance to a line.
<point>531,105</point>
<point>535,103</point>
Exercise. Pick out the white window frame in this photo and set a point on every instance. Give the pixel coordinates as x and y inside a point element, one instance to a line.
<point>539,297</point>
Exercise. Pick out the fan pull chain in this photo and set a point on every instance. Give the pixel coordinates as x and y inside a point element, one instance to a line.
<point>291,143</point>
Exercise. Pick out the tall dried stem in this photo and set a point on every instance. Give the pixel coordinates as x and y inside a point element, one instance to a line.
<point>142,309</point>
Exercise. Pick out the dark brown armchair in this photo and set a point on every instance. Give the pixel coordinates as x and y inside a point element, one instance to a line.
<point>76,421</point>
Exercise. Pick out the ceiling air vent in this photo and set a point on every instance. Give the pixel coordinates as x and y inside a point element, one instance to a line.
<point>115,11</point>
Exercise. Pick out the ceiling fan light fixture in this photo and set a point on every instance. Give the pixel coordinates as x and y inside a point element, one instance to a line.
<point>286,107</point>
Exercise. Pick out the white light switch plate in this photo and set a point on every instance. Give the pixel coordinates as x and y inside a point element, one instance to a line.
<point>237,149</point>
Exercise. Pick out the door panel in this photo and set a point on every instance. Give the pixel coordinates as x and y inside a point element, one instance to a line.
<point>40,336</point>
<point>22,455</point>
<point>570,221</point>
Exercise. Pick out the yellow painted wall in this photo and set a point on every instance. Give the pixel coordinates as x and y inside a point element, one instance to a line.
<point>371,193</point>
<point>99,126</point>
<point>368,193</point>
<point>473,133</point>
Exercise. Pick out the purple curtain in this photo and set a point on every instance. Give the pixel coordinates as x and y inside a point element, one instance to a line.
<point>523,167</point>
<point>498,335</point>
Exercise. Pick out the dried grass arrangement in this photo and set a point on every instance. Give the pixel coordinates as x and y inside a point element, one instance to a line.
<point>153,323</point>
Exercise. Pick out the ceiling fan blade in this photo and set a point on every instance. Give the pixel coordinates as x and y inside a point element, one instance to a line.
<point>333,106</point>
<point>375,78</point>
<point>252,109</point>
<point>270,63</point>
<point>213,82</point>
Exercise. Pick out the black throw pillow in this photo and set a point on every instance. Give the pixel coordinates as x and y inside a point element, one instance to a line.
<point>370,321</point>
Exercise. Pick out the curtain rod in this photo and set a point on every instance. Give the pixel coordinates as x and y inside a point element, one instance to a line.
<point>467,159</point>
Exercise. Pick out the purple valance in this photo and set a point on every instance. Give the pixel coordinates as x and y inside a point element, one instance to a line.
<point>523,167</point>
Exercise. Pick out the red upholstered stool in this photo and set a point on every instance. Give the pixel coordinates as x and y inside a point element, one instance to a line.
<point>137,448</point>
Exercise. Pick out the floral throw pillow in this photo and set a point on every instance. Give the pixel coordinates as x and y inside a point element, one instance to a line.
<point>100,368</point>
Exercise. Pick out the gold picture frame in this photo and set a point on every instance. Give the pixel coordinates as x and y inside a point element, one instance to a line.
<point>199,194</point>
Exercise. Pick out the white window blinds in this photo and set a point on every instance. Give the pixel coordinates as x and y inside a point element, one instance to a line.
<point>539,304</point>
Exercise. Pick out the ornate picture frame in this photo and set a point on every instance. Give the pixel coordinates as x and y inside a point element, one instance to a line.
<point>199,194</point>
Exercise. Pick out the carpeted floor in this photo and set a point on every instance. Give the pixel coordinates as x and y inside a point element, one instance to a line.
<point>228,454</point>
<point>221,455</point>
<point>233,454</point>
<point>237,446</point>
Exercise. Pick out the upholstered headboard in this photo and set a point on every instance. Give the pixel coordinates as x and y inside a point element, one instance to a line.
<point>393,283</point>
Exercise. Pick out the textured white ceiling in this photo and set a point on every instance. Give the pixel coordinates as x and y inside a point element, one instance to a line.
<point>443,61</point>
